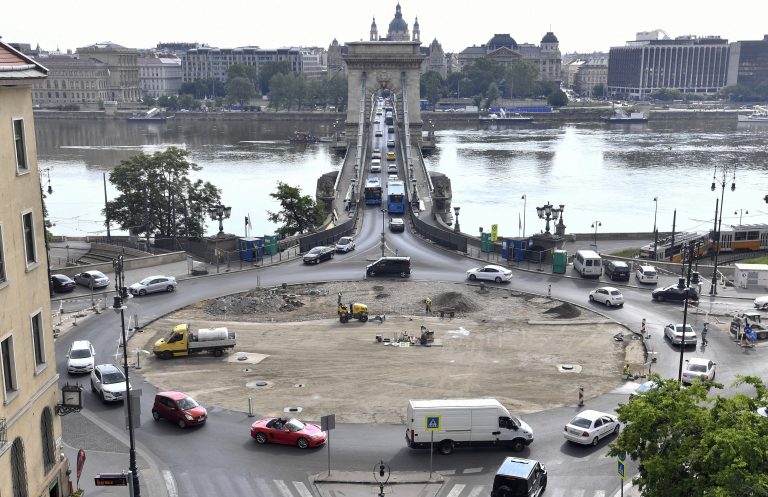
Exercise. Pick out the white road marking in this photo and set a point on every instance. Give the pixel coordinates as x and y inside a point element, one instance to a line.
<point>558,492</point>
<point>476,491</point>
<point>472,470</point>
<point>264,490</point>
<point>446,472</point>
<point>627,486</point>
<point>283,488</point>
<point>170,483</point>
<point>302,489</point>
<point>599,493</point>
<point>578,493</point>
<point>456,490</point>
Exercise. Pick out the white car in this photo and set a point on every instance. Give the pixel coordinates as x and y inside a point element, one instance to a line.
<point>763,411</point>
<point>81,357</point>
<point>697,368</point>
<point>607,295</point>
<point>345,244</point>
<point>91,279</point>
<point>152,284</point>
<point>108,382</point>
<point>647,274</point>
<point>490,272</point>
<point>762,302</point>
<point>674,332</point>
<point>588,427</point>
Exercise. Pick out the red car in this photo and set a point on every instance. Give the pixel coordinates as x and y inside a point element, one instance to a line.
<point>287,432</point>
<point>179,408</point>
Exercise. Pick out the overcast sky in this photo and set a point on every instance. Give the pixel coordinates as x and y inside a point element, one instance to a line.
<point>580,26</point>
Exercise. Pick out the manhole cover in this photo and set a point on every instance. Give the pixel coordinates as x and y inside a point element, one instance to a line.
<point>257,384</point>
<point>567,367</point>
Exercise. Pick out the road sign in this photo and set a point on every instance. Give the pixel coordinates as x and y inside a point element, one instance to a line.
<point>432,423</point>
<point>328,422</point>
<point>111,480</point>
<point>494,232</point>
<point>622,456</point>
<point>620,470</point>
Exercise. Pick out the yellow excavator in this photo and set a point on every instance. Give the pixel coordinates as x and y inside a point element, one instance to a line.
<point>352,311</point>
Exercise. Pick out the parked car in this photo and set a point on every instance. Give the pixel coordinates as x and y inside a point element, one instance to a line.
<point>517,477</point>
<point>81,357</point>
<point>617,270</point>
<point>647,274</point>
<point>92,279</point>
<point>396,224</point>
<point>674,332</point>
<point>287,432</point>
<point>152,284</point>
<point>178,408</point>
<point>674,293</point>
<point>607,295</point>
<point>648,385</point>
<point>588,427</point>
<point>762,302</point>
<point>345,244</point>
<point>390,266</point>
<point>108,382</point>
<point>62,283</point>
<point>318,254</point>
<point>697,368</point>
<point>490,272</point>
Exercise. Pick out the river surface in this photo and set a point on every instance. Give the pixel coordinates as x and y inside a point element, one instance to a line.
<point>600,173</point>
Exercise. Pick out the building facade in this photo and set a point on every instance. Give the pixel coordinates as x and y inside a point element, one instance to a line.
<point>159,76</point>
<point>748,63</point>
<point>123,76</point>
<point>687,63</point>
<point>30,431</point>
<point>214,63</point>
<point>71,80</point>
<point>583,75</point>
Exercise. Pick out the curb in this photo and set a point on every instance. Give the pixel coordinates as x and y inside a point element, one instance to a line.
<point>366,478</point>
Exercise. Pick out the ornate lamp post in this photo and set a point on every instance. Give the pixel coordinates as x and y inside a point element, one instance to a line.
<point>719,222</point>
<point>741,212</point>
<point>220,212</point>
<point>456,209</point>
<point>548,212</point>
<point>595,225</point>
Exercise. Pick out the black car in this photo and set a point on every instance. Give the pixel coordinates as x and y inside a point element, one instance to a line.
<point>62,283</point>
<point>400,266</point>
<point>674,293</point>
<point>519,477</point>
<point>319,254</point>
<point>617,270</point>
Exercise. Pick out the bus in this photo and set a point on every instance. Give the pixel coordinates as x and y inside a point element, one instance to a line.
<point>373,191</point>
<point>396,197</point>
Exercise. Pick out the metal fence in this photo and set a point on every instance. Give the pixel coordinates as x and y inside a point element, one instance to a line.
<point>448,239</point>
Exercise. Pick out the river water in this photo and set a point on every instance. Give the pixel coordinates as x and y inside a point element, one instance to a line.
<point>600,173</point>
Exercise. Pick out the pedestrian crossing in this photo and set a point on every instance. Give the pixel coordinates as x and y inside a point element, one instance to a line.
<point>242,485</point>
<point>462,490</point>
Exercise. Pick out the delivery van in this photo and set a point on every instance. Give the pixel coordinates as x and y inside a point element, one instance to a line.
<point>449,424</point>
<point>588,264</point>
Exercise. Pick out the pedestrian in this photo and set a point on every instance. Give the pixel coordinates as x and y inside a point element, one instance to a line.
<point>642,326</point>
<point>428,305</point>
<point>704,333</point>
<point>549,290</point>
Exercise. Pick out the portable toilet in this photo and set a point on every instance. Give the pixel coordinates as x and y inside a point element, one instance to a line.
<point>250,248</point>
<point>507,248</point>
<point>486,245</point>
<point>520,249</point>
<point>559,261</point>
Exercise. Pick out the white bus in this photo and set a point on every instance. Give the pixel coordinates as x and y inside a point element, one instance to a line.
<point>588,264</point>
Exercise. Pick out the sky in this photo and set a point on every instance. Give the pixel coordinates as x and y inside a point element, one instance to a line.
<point>579,26</point>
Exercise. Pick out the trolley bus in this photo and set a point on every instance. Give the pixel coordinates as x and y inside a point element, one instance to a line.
<point>396,197</point>
<point>741,238</point>
<point>373,191</point>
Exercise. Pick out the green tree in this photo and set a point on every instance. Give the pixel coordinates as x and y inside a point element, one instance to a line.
<point>477,100</point>
<point>170,103</point>
<point>240,90</point>
<point>336,92</point>
<point>267,71</point>
<point>149,101</point>
<point>431,87</point>
<point>688,443</point>
<point>280,93</point>
<point>491,94</point>
<point>557,98</point>
<point>246,71</point>
<point>187,101</point>
<point>298,214</point>
<point>667,94</point>
<point>520,77</point>
<point>157,196</point>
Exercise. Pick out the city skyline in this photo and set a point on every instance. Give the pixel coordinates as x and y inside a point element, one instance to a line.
<point>308,24</point>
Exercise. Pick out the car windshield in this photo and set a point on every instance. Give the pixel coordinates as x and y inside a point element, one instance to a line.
<point>294,425</point>
<point>96,274</point>
<point>187,403</point>
<point>650,273</point>
<point>112,377</point>
<point>616,293</point>
<point>344,240</point>
<point>581,422</point>
<point>697,368</point>
<point>315,250</point>
<point>79,354</point>
<point>145,281</point>
<point>688,329</point>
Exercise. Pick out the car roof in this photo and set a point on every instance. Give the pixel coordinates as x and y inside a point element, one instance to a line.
<point>396,220</point>
<point>60,276</point>
<point>94,272</point>
<point>620,263</point>
<point>158,276</point>
<point>81,344</point>
<point>609,288</point>
<point>648,268</point>
<point>496,266</point>
<point>698,360</point>
<point>517,467</point>
<point>590,414</point>
<point>173,395</point>
<point>107,368</point>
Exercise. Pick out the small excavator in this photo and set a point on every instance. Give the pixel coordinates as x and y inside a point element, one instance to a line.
<point>352,311</point>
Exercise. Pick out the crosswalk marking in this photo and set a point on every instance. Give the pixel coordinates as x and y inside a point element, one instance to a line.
<point>477,491</point>
<point>264,490</point>
<point>472,470</point>
<point>241,485</point>
<point>579,492</point>
<point>302,489</point>
<point>600,493</point>
<point>283,488</point>
<point>446,472</point>
<point>456,490</point>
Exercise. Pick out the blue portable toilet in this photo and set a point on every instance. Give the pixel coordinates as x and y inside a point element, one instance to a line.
<point>251,248</point>
<point>520,249</point>
<point>507,248</point>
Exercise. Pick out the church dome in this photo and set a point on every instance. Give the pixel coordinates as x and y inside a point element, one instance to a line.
<point>502,40</point>
<point>549,38</point>
<point>398,25</point>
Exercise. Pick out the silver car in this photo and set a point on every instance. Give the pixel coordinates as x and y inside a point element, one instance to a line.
<point>345,244</point>
<point>674,332</point>
<point>92,279</point>
<point>108,382</point>
<point>152,284</point>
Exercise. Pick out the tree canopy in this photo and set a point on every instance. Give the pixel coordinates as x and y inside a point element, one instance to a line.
<point>690,443</point>
<point>268,70</point>
<point>157,197</point>
<point>298,214</point>
<point>240,90</point>
<point>294,91</point>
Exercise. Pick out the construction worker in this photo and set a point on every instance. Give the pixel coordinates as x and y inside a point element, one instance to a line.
<point>627,371</point>
<point>428,304</point>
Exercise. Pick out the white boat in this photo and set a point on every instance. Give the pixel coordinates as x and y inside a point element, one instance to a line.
<point>759,115</point>
<point>503,117</point>
<point>620,116</point>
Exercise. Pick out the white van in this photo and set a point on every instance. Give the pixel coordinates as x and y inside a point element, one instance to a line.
<point>588,264</point>
<point>464,423</point>
<point>376,165</point>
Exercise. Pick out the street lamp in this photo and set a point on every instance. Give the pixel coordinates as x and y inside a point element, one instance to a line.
<point>525,202</point>
<point>741,212</point>
<point>383,223</point>
<point>595,225</point>
<point>381,474</point>
<point>456,209</point>
<point>220,212</point>
<point>719,223</point>
<point>548,212</point>
<point>47,171</point>
<point>119,306</point>
<point>655,229</point>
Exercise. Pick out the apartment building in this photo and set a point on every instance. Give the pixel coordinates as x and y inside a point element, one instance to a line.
<point>71,80</point>
<point>214,63</point>
<point>30,431</point>
<point>159,76</point>
<point>123,75</point>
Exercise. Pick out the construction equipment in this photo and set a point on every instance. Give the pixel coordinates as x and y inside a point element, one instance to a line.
<point>752,319</point>
<point>427,336</point>
<point>352,311</point>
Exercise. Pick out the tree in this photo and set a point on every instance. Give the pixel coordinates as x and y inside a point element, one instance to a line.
<point>188,102</point>
<point>688,443</point>
<point>246,71</point>
<point>240,90</point>
<point>491,94</point>
<point>299,213</point>
<point>431,87</point>
<point>477,100</point>
<point>336,92</point>
<point>268,70</point>
<point>557,98</point>
<point>149,101</point>
<point>158,198</point>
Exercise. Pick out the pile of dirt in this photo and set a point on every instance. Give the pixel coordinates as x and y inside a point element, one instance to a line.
<point>456,301</point>
<point>564,311</point>
<point>260,301</point>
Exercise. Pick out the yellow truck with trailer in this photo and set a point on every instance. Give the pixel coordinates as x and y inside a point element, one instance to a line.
<point>181,342</point>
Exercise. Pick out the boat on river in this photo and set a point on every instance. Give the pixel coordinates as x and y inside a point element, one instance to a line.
<point>759,115</point>
<point>623,117</point>
<point>153,115</point>
<point>304,137</point>
<point>504,118</point>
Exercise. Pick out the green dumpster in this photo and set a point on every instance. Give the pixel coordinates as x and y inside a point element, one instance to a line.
<point>559,261</point>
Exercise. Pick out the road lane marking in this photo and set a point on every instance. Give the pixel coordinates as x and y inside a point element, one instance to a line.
<point>446,472</point>
<point>456,490</point>
<point>599,493</point>
<point>170,484</point>
<point>476,491</point>
<point>283,488</point>
<point>264,490</point>
<point>302,489</point>
<point>472,470</point>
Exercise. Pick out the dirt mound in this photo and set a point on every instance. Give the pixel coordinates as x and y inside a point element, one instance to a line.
<point>456,301</point>
<point>565,311</point>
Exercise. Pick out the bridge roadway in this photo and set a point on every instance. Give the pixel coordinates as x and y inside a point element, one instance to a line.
<point>221,459</point>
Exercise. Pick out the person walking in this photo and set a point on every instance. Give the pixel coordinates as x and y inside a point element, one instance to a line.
<point>428,305</point>
<point>549,290</point>
<point>704,333</point>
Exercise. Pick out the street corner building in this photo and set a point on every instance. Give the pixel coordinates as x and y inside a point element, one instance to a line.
<point>31,463</point>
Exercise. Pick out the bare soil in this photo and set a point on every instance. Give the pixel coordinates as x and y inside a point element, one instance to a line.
<point>500,343</point>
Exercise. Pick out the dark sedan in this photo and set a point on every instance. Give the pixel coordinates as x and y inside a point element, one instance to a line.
<point>62,283</point>
<point>319,254</point>
<point>674,293</point>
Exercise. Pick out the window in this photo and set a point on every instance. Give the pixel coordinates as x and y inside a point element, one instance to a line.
<point>9,366</point>
<point>21,149</point>
<point>29,238</point>
<point>2,258</point>
<point>46,431</point>
<point>18,469</point>
<point>38,339</point>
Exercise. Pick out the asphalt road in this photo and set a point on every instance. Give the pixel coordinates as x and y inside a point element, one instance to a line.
<point>220,458</point>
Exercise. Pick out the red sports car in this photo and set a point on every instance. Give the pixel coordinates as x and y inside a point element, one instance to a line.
<point>287,432</point>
